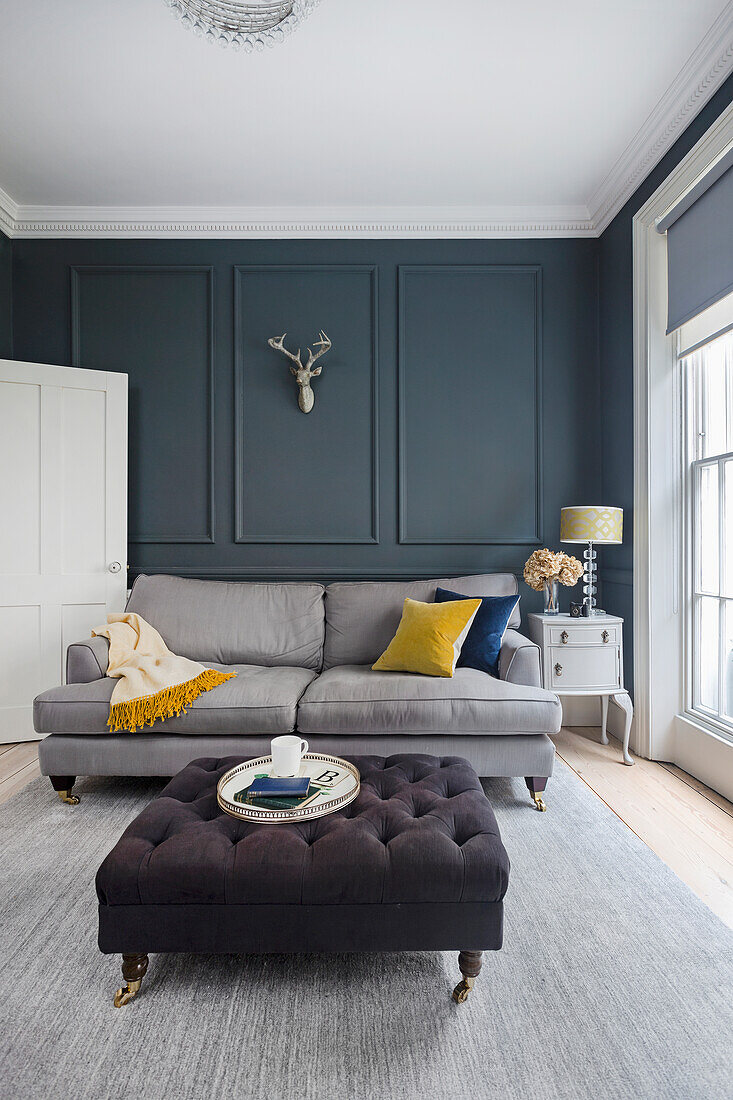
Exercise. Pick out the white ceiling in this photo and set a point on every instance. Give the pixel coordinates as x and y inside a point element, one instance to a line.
<point>469,111</point>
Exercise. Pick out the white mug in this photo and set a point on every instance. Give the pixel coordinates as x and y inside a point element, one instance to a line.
<point>286,754</point>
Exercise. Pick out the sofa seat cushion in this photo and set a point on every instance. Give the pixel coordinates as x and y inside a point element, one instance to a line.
<point>355,699</point>
<point>257,700</point>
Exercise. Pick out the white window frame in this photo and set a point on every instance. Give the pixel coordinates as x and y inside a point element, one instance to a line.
<point>694,589</point>
<point>663,729</point>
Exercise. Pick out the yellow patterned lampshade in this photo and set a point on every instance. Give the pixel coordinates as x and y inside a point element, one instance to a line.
<point>591,523</point>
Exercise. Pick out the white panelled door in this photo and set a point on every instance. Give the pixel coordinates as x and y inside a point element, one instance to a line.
<point>63,523</point>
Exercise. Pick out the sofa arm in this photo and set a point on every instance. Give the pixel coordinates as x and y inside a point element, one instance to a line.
<point>519,660</point>
<point>87,661</point>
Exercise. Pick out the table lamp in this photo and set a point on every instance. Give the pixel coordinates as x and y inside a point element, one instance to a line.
<point>592,524</point>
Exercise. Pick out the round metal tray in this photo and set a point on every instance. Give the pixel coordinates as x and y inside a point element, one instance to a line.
<point>334,796</point>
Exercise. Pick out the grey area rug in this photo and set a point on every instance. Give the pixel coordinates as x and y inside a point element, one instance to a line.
<point>614,981</point>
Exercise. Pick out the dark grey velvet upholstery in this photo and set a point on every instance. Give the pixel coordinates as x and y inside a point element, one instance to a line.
<point>421,830</point>
<point>415,863</point>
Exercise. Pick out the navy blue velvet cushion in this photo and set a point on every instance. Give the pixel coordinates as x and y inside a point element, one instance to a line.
<point>483,642</point>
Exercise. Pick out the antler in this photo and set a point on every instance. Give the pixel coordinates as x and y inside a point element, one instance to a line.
<point>324,344</point>
<point>278,345</point>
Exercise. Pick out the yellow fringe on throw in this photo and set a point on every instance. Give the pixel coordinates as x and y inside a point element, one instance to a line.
<point>164,704</point>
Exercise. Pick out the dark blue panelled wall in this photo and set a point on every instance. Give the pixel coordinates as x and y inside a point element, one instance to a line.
<point>6,338</point>
<point>457,411</point>
<point>473,388</point>
<point>617,367</point>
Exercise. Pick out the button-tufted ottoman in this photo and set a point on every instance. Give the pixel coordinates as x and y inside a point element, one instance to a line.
<point>415,863</point>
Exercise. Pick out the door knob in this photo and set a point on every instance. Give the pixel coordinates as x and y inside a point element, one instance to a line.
<point>114,567</point>
<point>558,670</point>
<point>564,637</point>
<point>605,635</point>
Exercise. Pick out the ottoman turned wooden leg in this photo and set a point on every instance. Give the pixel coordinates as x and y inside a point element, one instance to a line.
<point>469,963</point>
<point>62,784</point>
<point>134,968</point>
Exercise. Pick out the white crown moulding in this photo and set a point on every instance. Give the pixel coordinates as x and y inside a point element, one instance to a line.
<point>696,82</point>
<point>698,79</point>
<point>306,222</point>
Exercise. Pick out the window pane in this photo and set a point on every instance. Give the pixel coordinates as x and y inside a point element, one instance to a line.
<point>706,653</point>
<point>728,531</point>
<point>728,663</point>
<point>695,370</point>
<point>715,397</point>
<point>706,533</point>
<point>728,344</point>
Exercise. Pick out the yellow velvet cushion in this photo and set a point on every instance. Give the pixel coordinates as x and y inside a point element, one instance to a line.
<point>429,637</point>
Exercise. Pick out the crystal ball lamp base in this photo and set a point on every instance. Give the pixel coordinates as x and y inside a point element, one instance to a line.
<point>589,579</point>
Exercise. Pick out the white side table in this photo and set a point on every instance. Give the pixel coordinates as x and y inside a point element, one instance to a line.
<point>585,657</point>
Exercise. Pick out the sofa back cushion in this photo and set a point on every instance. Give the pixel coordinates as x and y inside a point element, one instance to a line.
<point>362,617</point>
<point>234,622</point>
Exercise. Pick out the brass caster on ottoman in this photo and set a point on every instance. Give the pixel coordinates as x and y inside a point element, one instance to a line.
<point>134,968</point>
<point>69,798</point>
<point>464,987</point>
<point>539,802</point>
<point>469,964</point>
<point>124,996</point>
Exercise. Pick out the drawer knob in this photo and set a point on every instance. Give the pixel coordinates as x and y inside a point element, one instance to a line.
<point>564,637</point>
<point>558,670</point>
<point>605,635</point>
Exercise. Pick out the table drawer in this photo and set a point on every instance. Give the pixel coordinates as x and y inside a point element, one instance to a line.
<point>590,634</point>
<point>584,667</point>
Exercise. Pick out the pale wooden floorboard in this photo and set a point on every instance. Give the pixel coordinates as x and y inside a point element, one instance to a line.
<point>18,766</point>
<point>689,826</point>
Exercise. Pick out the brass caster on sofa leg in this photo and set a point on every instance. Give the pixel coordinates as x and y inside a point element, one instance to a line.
<point>124,996</point>
<point>464,987</point>
<point>69,798</point>
<point>539,802</point>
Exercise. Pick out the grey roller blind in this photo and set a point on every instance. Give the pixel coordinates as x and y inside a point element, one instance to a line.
<point>700,245</point>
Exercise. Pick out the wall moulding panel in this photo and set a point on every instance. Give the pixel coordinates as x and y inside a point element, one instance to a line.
<point>330,494</point>
<point>328,480</point>
<point>481,412</point>
<point>155,323</point>
<point>327,575</point>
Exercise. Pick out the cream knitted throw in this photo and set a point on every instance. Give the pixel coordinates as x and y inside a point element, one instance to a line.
<point>153,683</point>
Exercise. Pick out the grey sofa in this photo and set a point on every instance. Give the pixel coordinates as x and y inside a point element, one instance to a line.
<point>303,656</point>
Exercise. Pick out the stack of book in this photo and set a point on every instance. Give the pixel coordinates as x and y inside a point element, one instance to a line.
<point>272,793</point>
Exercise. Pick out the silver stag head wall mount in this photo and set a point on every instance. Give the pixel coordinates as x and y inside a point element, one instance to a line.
<point>303,374</point>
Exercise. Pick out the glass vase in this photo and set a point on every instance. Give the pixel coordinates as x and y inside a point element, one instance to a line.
<point>551,590</point>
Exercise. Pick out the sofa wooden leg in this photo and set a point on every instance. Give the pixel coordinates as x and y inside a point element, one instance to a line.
<point>62,784</point>
<point>469,963</point>
<point>134,968</point>
<point>536,785</point>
